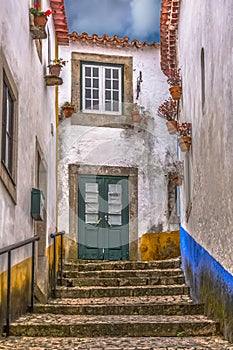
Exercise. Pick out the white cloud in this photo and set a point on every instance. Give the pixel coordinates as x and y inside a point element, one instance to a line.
<point>145,17</point>
<point>138,19</point>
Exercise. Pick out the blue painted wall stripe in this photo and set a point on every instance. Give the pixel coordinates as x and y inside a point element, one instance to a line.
<point>197,257</point>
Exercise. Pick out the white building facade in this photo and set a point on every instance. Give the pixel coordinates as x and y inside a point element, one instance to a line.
<point>27,148</point>
<point>204,51</point>
<point>107,143</point>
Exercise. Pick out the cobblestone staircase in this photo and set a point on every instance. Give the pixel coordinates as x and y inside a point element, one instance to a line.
<point>118,305</point>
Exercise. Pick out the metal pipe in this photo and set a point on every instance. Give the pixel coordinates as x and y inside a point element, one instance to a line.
<point>8,298</point>
<point>33,277</point>
<point>61,266</point>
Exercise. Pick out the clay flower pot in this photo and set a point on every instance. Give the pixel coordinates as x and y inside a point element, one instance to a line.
<point>175,92</point>
<point>136,117</point>
<point>68,111</point>
<point>171,126</point>
<point>184,143</point>
<point>55,69</point>
<point>176,179</point>
<point>40,21</point>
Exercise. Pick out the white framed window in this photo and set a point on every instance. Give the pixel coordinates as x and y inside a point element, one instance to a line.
<point>102,88</point>
<point>8,128</point>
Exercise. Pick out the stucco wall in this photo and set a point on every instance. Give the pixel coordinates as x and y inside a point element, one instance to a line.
<point>210,221</point>
<point>144,147</point>
<point>208,26</point>
<point>36,112</point>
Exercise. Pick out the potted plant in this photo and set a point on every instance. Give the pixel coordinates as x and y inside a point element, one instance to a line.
<point>56,65</point>
<point>184,136</point>
<point>40,17</point>
<point>176,174</point>
<point>174,80</point>
<point>136,115</point>
<point>68,109</point>
<point>168,110</point>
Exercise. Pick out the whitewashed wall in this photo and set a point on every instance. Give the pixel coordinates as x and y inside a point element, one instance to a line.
<point>208,25</point>
<point>143,147</point>
<point>36,113</point>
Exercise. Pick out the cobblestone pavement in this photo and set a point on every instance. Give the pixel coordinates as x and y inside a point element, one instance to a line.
<point>191,343</point>
<point>124,300</point>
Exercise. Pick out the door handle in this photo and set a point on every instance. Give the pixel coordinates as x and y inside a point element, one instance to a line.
<point>98,221</point>
<point>108,221</point>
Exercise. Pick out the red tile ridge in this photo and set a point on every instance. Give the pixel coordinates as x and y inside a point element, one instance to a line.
<point>169,19</point>
<point>109,41</point>
<point>60,21</point>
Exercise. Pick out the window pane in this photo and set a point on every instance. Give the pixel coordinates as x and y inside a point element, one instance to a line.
<point>95,72</point>
<point>107,106</point>
<point>107,84</point>
<point>88,82</point>
<point>115,73</point>
<point>88,93</point>
<point>96,105</point>
<point>115,84</point>
<point>96,83</point>
<point>87,104</point>
<point>115,96</point>
<point>107,95</point>
<point>87,71</point>
<point>96,94</point>
<point>115,106</point>
<point>108,73</point>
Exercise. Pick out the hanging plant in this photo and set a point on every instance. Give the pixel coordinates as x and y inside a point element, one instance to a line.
<point>56,65</point>
<point>40,17</point>
<point>135,114</point>
<point>68,109</point>
<point>184,136</point>
<point>174,80</point>
<point>168,111</point>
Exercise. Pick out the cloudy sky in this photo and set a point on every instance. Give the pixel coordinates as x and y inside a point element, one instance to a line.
<point>138,19</point>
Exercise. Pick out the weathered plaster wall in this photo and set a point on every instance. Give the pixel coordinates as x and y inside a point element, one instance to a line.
<point>36,114</point>
<point>144,146</point>
<point>208,26</point>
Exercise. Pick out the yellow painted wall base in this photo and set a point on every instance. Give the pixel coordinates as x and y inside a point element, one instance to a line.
<point>160,245</point>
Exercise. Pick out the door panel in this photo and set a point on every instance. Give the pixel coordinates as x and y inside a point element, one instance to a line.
<point>103,230</point>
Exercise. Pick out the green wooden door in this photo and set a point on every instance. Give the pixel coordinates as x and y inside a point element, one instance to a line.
<point>103,217</point>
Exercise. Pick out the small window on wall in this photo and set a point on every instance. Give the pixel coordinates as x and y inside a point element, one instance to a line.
<point>202,78</point>
<point>188,185</point>
<point>8,119</point>
<point>101,88</point>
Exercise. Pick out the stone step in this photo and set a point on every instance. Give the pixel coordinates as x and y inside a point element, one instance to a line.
<point>110,343</point>
<point>123,273</point>
<point>100,292</point>
<point>50,325</point>
<point>161,305</point>
<point>116,282</point>
<point>99,265</point>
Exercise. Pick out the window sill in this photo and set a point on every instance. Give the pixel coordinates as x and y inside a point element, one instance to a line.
<point>102,120</point>
<point>8,182</point>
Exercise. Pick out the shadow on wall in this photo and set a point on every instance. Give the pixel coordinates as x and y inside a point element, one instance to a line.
<point>160,245</point>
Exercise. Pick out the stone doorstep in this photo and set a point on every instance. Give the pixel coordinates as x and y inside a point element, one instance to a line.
<point>122,273</point>
<point>99,292</point>
<point>123,309</point>
<point>122,265</point>
<point>110,343</point>
<point>117,282</point>
<point>131,326</point>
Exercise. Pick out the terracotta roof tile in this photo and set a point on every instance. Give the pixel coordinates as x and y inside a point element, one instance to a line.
<point>60,21</point>
<point>105,40</point>
<point>169,18</point>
